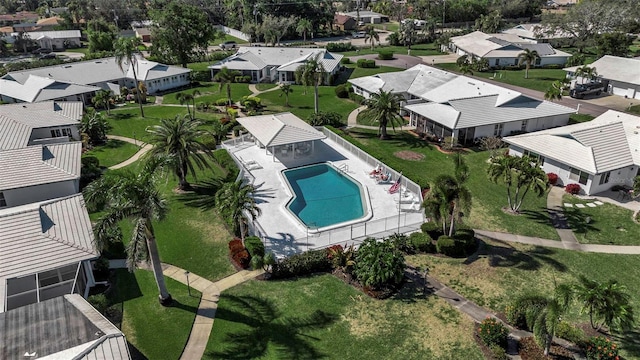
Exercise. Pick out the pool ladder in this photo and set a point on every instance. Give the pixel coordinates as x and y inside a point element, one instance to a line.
<point>344,168</point>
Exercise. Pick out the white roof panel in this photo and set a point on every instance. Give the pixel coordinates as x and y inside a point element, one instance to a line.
<point>280,129</point>
<point>616,68</point>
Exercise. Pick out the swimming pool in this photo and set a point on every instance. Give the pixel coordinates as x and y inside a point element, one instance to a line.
<point>324,196</point>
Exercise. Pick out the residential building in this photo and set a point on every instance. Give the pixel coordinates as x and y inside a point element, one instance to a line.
<point>447,105</point>
<point>56,40</point>
<point>535,33</point>
<point>504,49</point>
<point>50,23</point>
<point>596,155</point>
<point>143,33</point>
<point>344,22</point>
<point>46,250</point>
<point>19,17</point>
<point>48,122</point>
<point>623,75</point>
<point>65,327</point>
<point>277,64</point>
<point>367,17</point>
<point>98,74</point>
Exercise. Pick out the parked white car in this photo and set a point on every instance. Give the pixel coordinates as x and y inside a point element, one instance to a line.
<point>358,35</point>
<point>228,45</point>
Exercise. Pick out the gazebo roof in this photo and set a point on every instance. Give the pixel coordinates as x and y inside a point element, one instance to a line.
<point>280,129</point>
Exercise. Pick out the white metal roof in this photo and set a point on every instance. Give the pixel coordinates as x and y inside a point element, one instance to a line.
<point>37,88</point>
<point>443,114</point>
<point>289,58</point>
<point>616,68</point>
<point>608,142</point>
<point>415,80</point>
<point>280,129</point>
<point>40,164</point>
<point>464,87</point>
<point>18,120</point>
<point>56,34</point>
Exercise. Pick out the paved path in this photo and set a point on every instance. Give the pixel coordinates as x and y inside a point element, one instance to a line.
<point>559,221</point>
<point>135,156</point>
<point>255,91</point>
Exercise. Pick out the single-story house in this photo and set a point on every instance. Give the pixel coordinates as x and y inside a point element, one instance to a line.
<point>504,49</point>
<point>20,16</point>
<point>46,249</point>
<point>561,3</point>
<point>65,327</point>
<point>623,74</point>
<point>39,173</point>
<point>367,17</point>
<point>596,155</point>
<point>344,22</point>
<point>50,23</point>
<point>448,105</point>
<point>56,40</point>
<point>143,33</point>
<point>535,33</point>
<point>48,122</point>
<point>36,89</point>
<point>25,27</point>
<point>276,64</point>
<point>106,74</point>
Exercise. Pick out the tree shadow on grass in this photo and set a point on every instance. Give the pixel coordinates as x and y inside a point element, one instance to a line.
<point>400,139</point>
<point>126,287</point>
<point>203,194</point>
<point>540,216</point>
<point>135,353</point>
<point>414,287</point>
<point>630,341</point>
<point>178,305</point>
<point>579,222</point>
<point>505,255</point>
<point>268,328</point>
<point>121,116</point>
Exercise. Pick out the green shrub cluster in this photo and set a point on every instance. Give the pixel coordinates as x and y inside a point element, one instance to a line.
<point>499,353</point>
<point>385,55</point>
<point>254,246</point>
<point>302,264</point>
<point>422,242</point>
<point>569,332</point>
<point>518,311</point>
<point>200,75</point>
<point>222,158</point>
<point>222,102</point>
<point>340,47</point>
<point>449,246</point>
<point>100,302</point>
<point>379,264</point>
<point>356,98</point>
<point>433,229</point>
<point>242,79</point>
<point>493,332</point>
<point>345,60</point>
<point>341,91</point>
<point>601,348</point>
<point>466,238</point>
<point>366,63</point>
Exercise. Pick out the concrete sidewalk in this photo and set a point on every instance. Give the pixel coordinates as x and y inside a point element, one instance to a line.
<point>145,148</point>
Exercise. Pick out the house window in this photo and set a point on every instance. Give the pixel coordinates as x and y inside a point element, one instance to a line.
<point>534,156</point>
<point>604,178</point>
<point>497,129</point>
<point>497,63</point>
<point>3,201</point>
<point>579,176</point>
<point>56,133</point>
<point>523,127</point>
<point>66,132</point>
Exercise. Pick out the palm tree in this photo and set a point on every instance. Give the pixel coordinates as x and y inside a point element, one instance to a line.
<point>528,57</point>
<point>286,90</point>
<point>312,72</point>
<point>519,174</point>
<point>544,316</point>
<point>384,107</point>
<point>225,77</point>
<point>465,69</point>
<point>95,126</point>
<point>125,52</point>
<point>554,92</point>
<point>102,98</point>
<point>304,26</point>
<point>234,200</point>
<point>607,302</point>
<point>126,195</point>
<point>370,34</point>
<point>178,139</point>
<point>586,72</point>
<point>449,198</point>
<point>194,94</point>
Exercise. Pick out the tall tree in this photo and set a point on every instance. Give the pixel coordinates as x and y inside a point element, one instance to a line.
<point>101,35</point>
<point>226,77</point>
<point>489,23</point>
<point>95,126</point>
<point>126,51</point>
<point>179,140</point>
<point>586,72</point>
<point>123,195</point>
<point>103,99</point>
<point>304,27</point>
<point>614,43</point>
<point>520,175</point>
<point>275,27</point>
<point>408,33</point>
<point>313,72</point>
<point>188,99</point>
<point>181,32</point>
<point>234,200</point>
<point>528,57</point>
<point>370,34</point>
<point>384,108</point>
<point>606,303</point>
<point>285,90</point>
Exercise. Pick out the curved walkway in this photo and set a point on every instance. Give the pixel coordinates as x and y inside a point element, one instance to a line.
<point>143,150</point>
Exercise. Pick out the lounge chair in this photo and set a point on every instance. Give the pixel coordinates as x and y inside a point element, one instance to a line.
<point>250,165</point>
<point>384,179</point>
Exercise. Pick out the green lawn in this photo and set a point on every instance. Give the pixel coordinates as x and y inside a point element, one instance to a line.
<point>416,50</point>
<point>355,72</point>
<point>302,105</point>
<point>503,271</point>
<point>157,332</point>
<point>635,109</point>
<point>113,152</point>
<point>488,198</point>
<point>604,224</point>
<point>82,50</point>
<point>270,320</point>
<point>210,92</point>
<point>388,26</point>
<point>263,86</point>
<point>199,66</point>
<point>539,79</point>
<point>578,118</point>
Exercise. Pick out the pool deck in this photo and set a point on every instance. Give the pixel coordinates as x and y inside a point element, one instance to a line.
<point>285,235</point>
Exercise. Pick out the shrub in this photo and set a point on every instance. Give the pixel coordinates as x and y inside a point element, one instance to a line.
<point>601,348</point>
<point>345,60</point>
<point>522,308</point>
<point>200,75</point>
<point>515,316</point>
<point>219,55</point>
<point>433,229</point>
<point>100,302</point>
<point>222,158</point>
<point>379,264</point>
<point>450,247</point>
<point>222,102</point>
<point>385,55</point>
<point>421,242</point>
<point>552,66</point>
<point>466,239</point>
<point>302,264</point>
<point>572,189</point>
<point>342,92</point>
<point>356,98</point>
<point>324,118</point>
<point>402,243</point>
<point>529,350</point>
<point>493,332</point>
<point>242,258</point>
<point>340,47</point>
<point>569,332</point>
<point>366,63</point>
<point>553,178</point>
<point>254,246</point>
<point>499,353</point>
<point>341,258</point>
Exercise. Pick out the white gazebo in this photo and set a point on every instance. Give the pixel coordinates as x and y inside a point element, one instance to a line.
<point>282,134</point>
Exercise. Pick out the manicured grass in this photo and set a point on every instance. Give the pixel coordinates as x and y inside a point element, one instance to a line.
<point>501,272</point>
<point>199,66</point>
<point>82,50</point>
<point>578,118</point>
<point>302,105</point>
<point>488,198</point>
<point>604,224</point>
<point>635,109</point>
<point>367,120</point>
<point>113,152</point>
<point>263,87</point>
<point>156,331</point>
<point>355,72</point>
<point>416,50</point>
<point>388,26</point>
<point>539,79</point>
<point>210,92</point>
<point>266,320</point>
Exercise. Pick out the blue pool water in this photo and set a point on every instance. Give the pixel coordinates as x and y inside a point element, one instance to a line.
<point>323,196</point>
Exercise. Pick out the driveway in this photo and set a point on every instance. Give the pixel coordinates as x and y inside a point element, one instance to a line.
<point>615,102</point>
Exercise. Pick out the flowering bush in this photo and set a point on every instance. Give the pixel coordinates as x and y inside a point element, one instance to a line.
<point>553,178</point>
<point>572,189</point>
<point>492,331</point>
<point>601,348</point>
